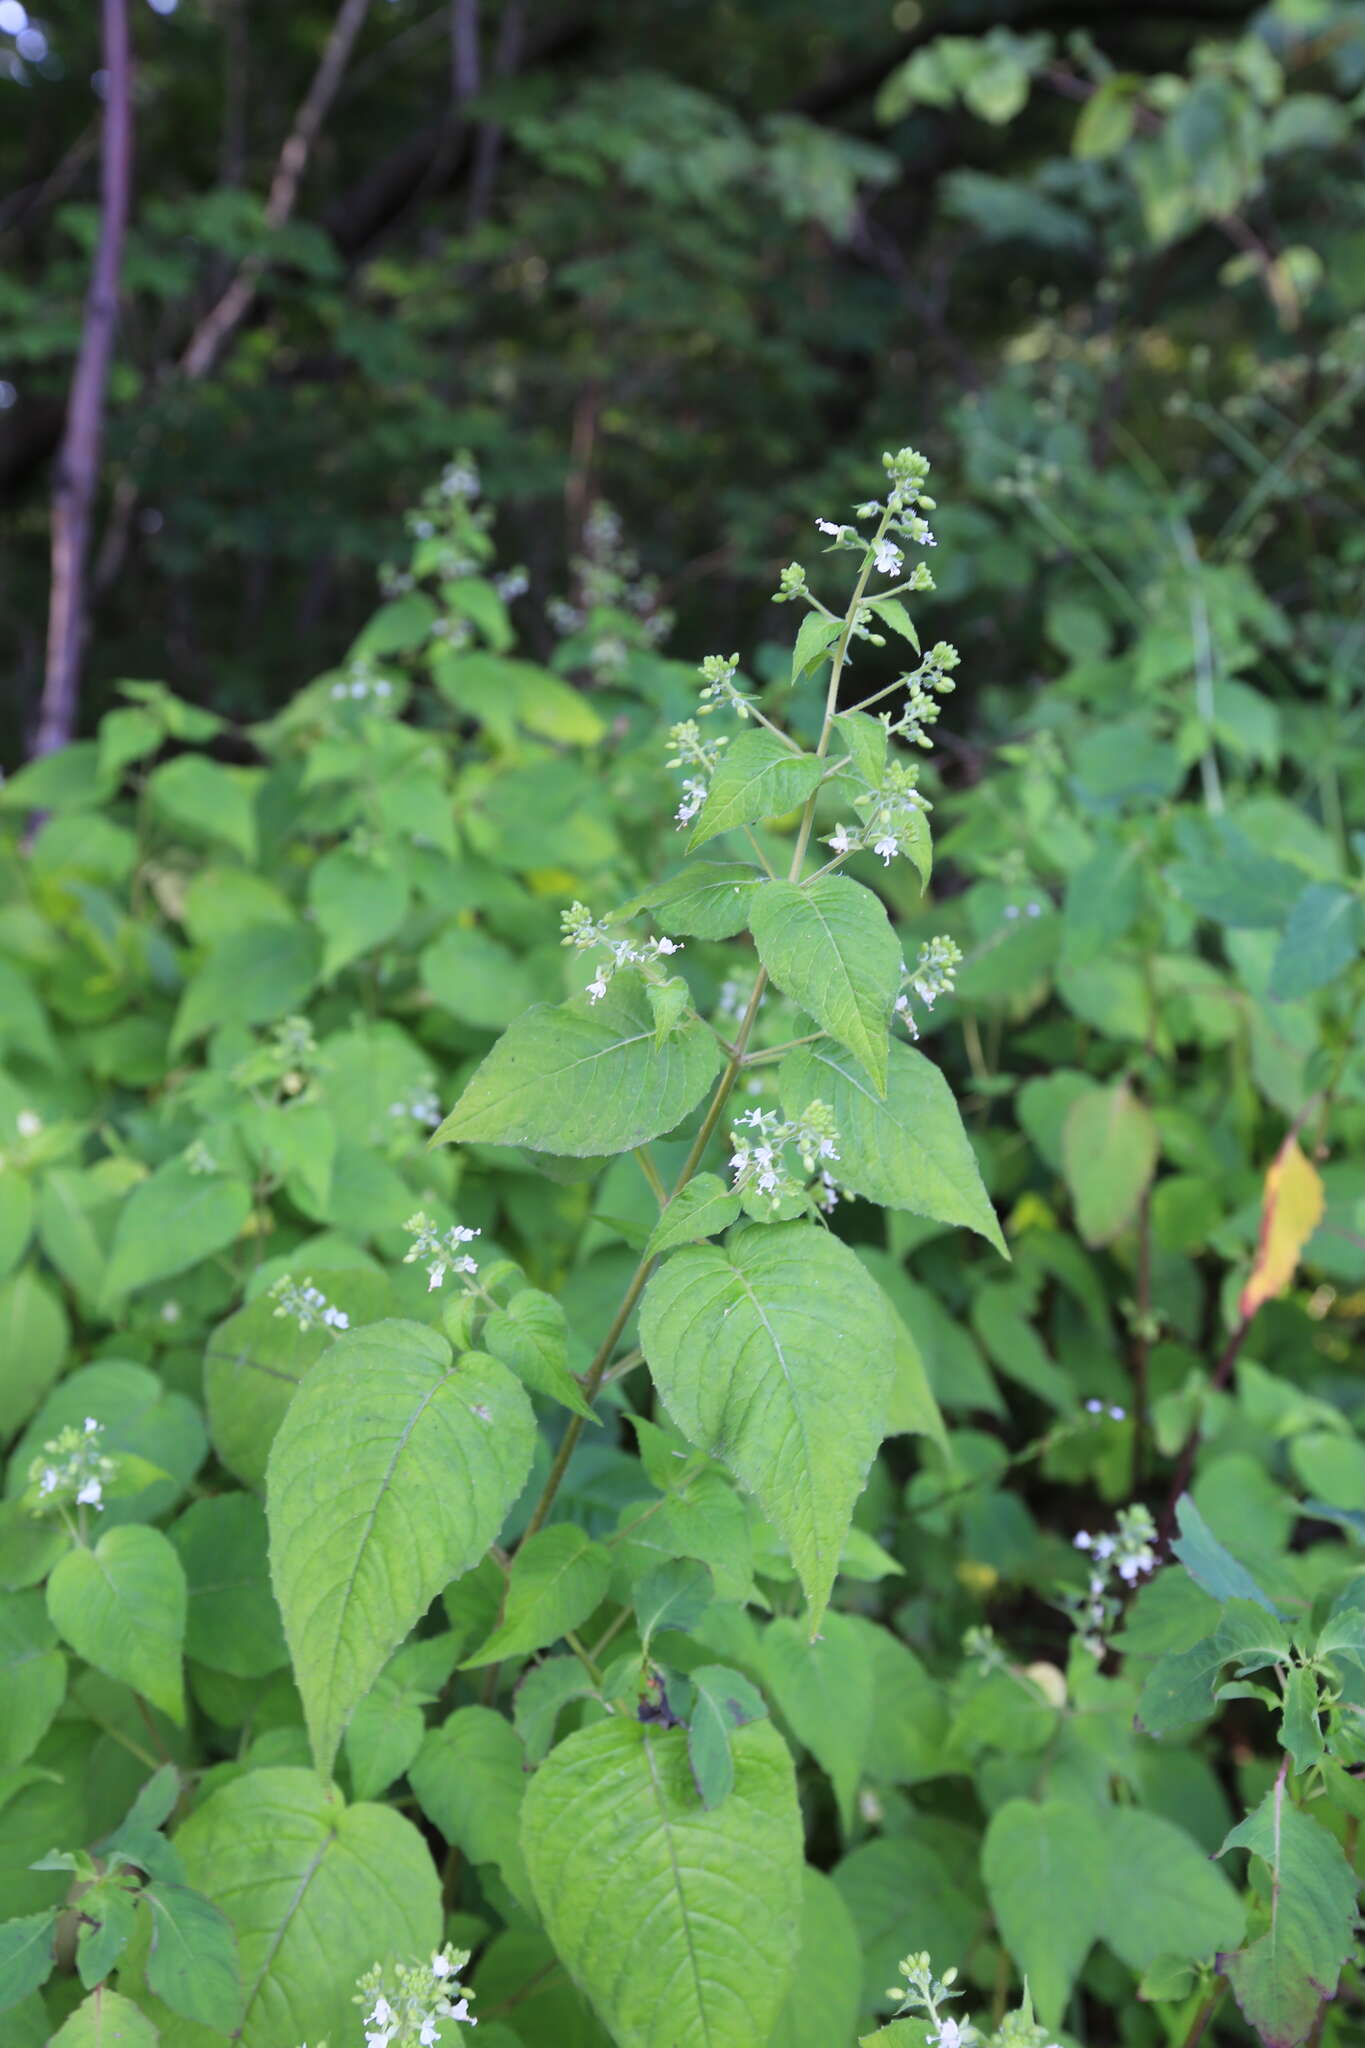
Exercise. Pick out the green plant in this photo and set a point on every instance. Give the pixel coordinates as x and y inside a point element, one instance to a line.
<point>622,1533</point>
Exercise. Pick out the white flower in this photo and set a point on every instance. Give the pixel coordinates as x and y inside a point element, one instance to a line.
<point>667,946</point>
<point>950,2034</point>
<point>458,2012</point>
<point>888,848</point>
<point>828,526</point>
<point>840,840</point>
<point>1082,1539</point>
<point>91,1494</point>
<point>889,558</point>
<point>1118,1414</point>
<point>48,1482</point>
<point>91,1426</point>
<point>441,1965</point>
<point>28,1123</point>
<point>382,2013</point>
<point>1093,1407</point>
<point>430,2033</point>
<point>170,1311</point>
<point>596,990</point>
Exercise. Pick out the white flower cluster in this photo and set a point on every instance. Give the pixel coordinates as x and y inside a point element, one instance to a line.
<point>408,2012</point>
<point>307,1304</point>
<point>922,1992</point>
<point>585,933</point>
<point>422,1105</point>
<point>886,814</point>
<point>444,1254</point>
<point>761,1139</point>
<point>932,976</point>
<point>690,750</point>
<point>28,1123</point>
<point>361,682</point>
<point>1128,1554</point>
<point>71,1469</point>
<point>199,1159</point>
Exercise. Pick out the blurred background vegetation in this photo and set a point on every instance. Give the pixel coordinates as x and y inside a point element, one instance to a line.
<point>672,271</point>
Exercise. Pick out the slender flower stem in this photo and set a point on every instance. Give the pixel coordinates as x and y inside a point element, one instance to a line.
<point>651,1174</point>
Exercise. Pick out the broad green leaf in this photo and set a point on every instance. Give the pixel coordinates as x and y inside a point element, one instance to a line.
<point>542,1693</point>
<point>32,1675</point>
<point>1180,1686</point>
<point>16,1216</point>
<point>558,1577</point>
<point>357,903</point>
<point>531,1335</point>
<point>250,977</point>
<point>823,1690</point>
<point>233,1624</point>
<point>26,1955</point>
<point>503,693</point>
<point>1282,1979</point>
<point>172,1220</point>
<point>830,947</point>
<point>1209,1563</point>
<point>316,1892</point>
<point>863,738</point>
<point>142,1421</point>
<point>1109,1151</point>
<point>892,613</point>
<point>108,1922</point>
<point>1159,1893</point>
<point>470,1780</point>
<point>105,2020</point>
<point>757,776</point>
<point>121,1606</point>
<point>1320,940</point>
<point>1300,1730</point>
<point>815,640</point>
<point>775,1355</point>
<point>703,1208</point>
<point>192,1965</point>
<point>898,1882</point>
<point>386,1730</point>
<point>474,977</point>
<point>584,1078</point>
<point>206,800</point>
<point>723,1700</point>
<point>1043,1865</point>
<point>908,1151</point>
<point>674,1595</point>
<point>34,1334</point>
<point>391,1474</point>
<point>821,2006</point>
<point>706,899</point>
<point>678,1922</point>
<point>1108,117</point>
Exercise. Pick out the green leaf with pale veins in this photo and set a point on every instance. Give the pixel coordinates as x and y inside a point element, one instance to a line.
<point>470,1780</point>
<point>1282,1980</point>
<point>193,1961</point>
<point>26,1955</point>
<point>557,1578</point>
<point>1210,1563</point>
<point>1044,1867</point>
<point>531,1336</point>
<point>105,2020</point>
<point>1161,1895</point>
<point>757,776</point>
<point>584,1078</point>
<point>390,1476</point>
<point>701,1209</point>
<point>906,1151</point>
<point>122,1607</point>
<point>723,1700</point>
<point>316,1891</point>
<point>1109,1152</point>
<point>830,947</point>
<point>823,1690</point>
<point>173,1220</point>
<point>680,1924</point>
<point>775,1354</point>
<point>706,899</point>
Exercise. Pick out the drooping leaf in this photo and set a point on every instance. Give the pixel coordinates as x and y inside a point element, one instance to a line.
<point>906,1151</point>
<point>121,1606</point>
<point>531,1335</point>
<point>1109,1150</point>
<point>470,1780</point>
<point>1043,1865</point>
<point>673,1595</point>
<point>775,1355</point>
<point>1291,1210</point>
<point>316,1892</point>
<point>1283,1978</point>
<point>700,1909</point>
<point>584,1078</point>
<point>558,1577</point>
<point>830,947</point>
<point>757,776</point>
<point>824,1691</point>
<point>391,1474</point>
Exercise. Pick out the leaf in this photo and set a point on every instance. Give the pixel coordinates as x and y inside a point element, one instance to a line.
<point>476,978</point>
<point>815,638</point>
<point>703,1208</point>
<point>1109,1154</point>
<point>1209,1564</point>
<point>387,1729</point>
<point>192,1965</point>
<point>171,1221</point>
<point>1320,940</point>
<point>1291,1210</point>
<point>34,1334</point>
<point>823,1690</point>
<point>16,1216</point>
<point>830,947</point>
<point>909,1151</point>
<point>673,1595</point>
<point>757,776</point>
<point>32,1676</point>
<point>357,903</point>
<point>470,1780</point>
<point>233,1623</point>
<point>205,800</point>
<point>821,2006</point>
<point>892,613</point>
<point>701,1909</point>
<point>543,1691</point>
<point>558,1577</point>
<point>316,1891</point>
<point>1160,1894</point>
<point>104,2020</point>
<point>250,977</point>
<point>121,1606</point>
<point>1282,1980</point>
<point>775,1355</point>
<point>1108,117</point>
<point>897,1882</point>
<point>390,1476</point>
<point>108,1922</point>
<point>531,1336</point>
<point>706,899</point>
<point>584,1078</point>
<point>26,1955</point>
<point>1044,1865</point>
<point>1300,1730</point>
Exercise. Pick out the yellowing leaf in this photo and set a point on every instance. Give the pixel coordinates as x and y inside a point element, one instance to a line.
<point>1290,1212</point>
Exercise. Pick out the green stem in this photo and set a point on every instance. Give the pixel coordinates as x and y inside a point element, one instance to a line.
<point>651,1174</point>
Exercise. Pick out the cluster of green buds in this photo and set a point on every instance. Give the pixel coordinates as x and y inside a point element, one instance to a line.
<point>923,688</point>
<point>307,1305</point>
<point>691,751</point>
<point>932,976</point>
<point>408,2009</point>
<point>70,1471</point>
<point>443,1252</point>
<point>585,933</point>
<point>763,1174</point>
<point>720,694</point>
<point>287,1061</point>
<point>921,1991</point>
